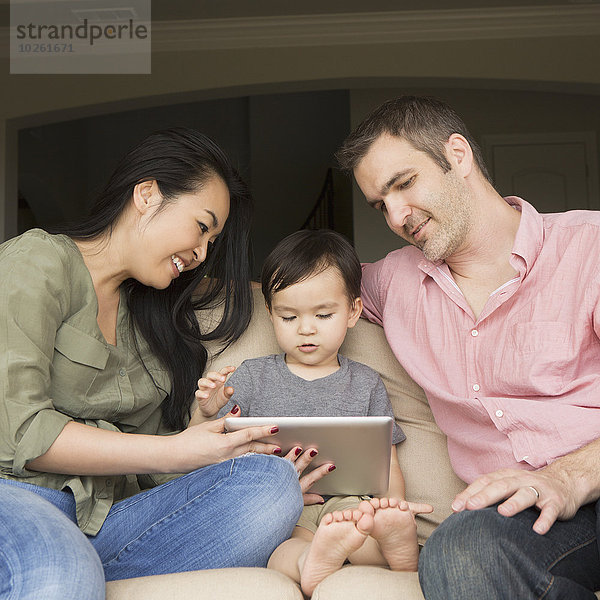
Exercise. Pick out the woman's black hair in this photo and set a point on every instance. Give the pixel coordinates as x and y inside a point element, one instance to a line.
<point>306,253</point>
<point>181,161</point>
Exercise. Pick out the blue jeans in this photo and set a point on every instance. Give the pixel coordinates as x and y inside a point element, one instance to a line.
<point>231,514</point>
<point>481,554</point>
<point>42,553</point>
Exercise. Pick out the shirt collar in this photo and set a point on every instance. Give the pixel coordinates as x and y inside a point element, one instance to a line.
<point>528,241</point>
<point>529,238</point>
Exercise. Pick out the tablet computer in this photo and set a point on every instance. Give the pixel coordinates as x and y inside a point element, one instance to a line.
<point>359,447</point>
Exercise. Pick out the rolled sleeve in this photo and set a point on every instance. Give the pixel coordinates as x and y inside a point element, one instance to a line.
<point>40,434</point>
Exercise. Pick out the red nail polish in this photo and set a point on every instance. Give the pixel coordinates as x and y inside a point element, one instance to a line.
<point>235,410</point>
<point>331,468</point>
<point>313,453</point>
<point>298,451</point>
<point>277,451</point>
<point>275,430</point>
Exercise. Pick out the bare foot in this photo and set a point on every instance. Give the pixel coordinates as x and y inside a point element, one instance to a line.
<point>395,530</point>
<point>340,533</point>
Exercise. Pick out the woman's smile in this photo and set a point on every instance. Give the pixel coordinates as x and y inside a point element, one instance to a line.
<point>179,264</point>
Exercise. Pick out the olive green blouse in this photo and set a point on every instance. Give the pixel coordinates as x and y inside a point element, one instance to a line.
<point>56,367</point>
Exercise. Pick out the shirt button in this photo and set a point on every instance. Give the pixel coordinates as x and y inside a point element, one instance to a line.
<point>122,372</point>
<point>499,413</point>
<point>474,332</point>
<point>108,482</point>
<point>476,387</point>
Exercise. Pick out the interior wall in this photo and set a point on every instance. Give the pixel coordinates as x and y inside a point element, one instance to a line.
<point>63,166</point>
<point>282,144</point>
<point>526,59</point>
<point>293,138</point>
<point>485,112</point>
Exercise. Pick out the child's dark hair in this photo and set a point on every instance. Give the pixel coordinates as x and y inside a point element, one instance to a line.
<point>306,253</point>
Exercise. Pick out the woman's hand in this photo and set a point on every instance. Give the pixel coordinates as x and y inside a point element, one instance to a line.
<point>301,460</point>
<point>212,395</point>
<point>208,443</point>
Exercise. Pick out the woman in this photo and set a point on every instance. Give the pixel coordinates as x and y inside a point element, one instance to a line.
<point>99,344</point>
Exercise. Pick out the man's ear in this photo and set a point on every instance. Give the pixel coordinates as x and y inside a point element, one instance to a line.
<point>356,311</point>
<point>460,154</point>
<point>145,196</point>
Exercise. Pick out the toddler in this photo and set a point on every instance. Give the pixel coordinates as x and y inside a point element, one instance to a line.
<point>311,284</point>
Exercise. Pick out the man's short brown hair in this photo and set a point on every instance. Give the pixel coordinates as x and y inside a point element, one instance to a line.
<point>423,121</point>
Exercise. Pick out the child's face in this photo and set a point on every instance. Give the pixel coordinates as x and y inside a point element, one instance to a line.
<point>311,318</point>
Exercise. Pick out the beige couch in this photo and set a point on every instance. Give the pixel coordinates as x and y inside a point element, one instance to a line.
<point>423,458</point>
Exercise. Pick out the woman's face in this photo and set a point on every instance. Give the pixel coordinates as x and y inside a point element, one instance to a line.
<point>175,238</point>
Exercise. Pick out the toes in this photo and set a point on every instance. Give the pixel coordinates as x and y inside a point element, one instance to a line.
<point>366,507</point>
<point>356,514</point>
<point>365,523</point>
<point>375,503</point>
<point>327,519</point>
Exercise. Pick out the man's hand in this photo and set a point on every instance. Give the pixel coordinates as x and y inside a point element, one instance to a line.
<point>553,490</point>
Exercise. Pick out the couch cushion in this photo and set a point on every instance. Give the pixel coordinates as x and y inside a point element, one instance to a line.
<point>423,456</point>
<point>362,583</point>
<point>216,584</point>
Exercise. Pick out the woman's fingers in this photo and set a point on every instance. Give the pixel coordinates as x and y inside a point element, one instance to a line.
<point>312,499</point>
<point>293,454</point>
<point>306,481</point>
<point>252,439</point>
<point>303,459</point>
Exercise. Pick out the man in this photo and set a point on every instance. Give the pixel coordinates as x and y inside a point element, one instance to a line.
<point>494,310</point>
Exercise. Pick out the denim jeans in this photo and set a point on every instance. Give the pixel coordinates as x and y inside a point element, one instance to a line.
<point>42,553</point>
<point>481,554</point>
<point>230,514</point>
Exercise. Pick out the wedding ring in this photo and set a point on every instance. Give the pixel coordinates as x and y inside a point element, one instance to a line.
<point>537,494</point>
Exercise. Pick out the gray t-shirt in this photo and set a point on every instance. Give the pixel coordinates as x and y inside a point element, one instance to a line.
<point>265,387</point>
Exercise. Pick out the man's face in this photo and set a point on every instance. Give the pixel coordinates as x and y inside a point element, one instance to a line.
<point>423,205</point>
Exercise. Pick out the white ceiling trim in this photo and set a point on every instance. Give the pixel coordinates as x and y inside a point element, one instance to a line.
<point>368,28</point>
<point>375,28</point>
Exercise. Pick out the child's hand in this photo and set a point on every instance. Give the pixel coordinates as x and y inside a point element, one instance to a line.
<point>212,395</point>
<point>417,508</point>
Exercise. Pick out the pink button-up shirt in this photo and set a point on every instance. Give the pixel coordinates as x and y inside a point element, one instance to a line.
<point>520,385</point>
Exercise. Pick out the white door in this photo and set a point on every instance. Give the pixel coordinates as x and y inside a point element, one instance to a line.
<point>554,172</point>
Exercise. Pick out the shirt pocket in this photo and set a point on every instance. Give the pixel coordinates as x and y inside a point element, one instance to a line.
<point>77,361</point>
<point>537,359</point>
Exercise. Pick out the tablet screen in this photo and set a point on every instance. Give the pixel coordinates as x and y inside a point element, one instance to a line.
<point>359,447</point>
